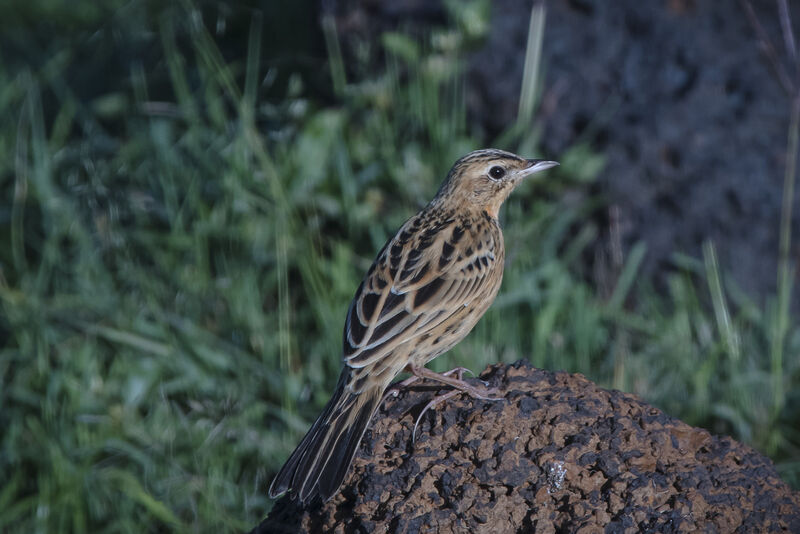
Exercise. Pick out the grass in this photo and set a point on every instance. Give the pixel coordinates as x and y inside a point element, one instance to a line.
<point>176,270</point>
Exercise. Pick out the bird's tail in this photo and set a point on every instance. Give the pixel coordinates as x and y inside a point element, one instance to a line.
<point>319,464</point>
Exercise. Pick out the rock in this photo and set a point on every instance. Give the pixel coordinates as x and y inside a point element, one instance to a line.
<point>558,454</point>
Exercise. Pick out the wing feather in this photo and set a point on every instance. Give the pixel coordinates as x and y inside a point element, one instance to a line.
<point>420,279</point>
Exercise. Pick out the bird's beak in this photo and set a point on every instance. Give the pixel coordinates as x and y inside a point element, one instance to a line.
<point>537,165</point>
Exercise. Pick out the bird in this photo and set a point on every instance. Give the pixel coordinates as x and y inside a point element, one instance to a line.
<point>428,286</point>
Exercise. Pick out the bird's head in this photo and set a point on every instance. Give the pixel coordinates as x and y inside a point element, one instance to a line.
<point>483,179</point>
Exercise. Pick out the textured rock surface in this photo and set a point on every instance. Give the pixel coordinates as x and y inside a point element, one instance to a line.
<point>559,454</point>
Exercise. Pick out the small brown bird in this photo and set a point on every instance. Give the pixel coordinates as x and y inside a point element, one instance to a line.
<point>425,291</point>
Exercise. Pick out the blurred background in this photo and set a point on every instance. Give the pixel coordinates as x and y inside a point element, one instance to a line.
<point>192,190</point>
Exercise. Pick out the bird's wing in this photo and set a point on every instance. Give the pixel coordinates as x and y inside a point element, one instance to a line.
<point>424,275</point>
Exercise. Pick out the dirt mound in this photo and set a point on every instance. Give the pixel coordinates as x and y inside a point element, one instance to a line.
<point>559,454</point>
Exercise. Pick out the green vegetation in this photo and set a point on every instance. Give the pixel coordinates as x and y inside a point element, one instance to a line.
<point>175,271</point>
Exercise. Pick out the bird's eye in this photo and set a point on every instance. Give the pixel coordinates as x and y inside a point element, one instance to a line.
<point>497,172</point>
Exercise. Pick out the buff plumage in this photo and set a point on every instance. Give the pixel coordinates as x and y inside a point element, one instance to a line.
<point>427,288</point>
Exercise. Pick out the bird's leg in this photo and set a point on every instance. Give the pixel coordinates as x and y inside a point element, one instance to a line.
<point>394,389</point>
<point>458,371</point>
<point>479,392</point>
<point>456,382</point>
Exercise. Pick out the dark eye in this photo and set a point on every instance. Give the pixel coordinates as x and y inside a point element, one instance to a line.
<point>497,172</point>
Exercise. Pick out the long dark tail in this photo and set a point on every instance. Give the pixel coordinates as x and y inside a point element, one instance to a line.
<point>319,464</point>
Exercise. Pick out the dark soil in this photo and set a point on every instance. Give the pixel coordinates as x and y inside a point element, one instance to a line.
<point>558,454</point>
<point>675,94</point>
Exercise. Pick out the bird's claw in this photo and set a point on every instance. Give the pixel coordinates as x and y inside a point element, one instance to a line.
<point>433,402</point>
<point>459,372</point>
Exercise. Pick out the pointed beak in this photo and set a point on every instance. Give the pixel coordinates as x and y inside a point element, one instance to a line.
<point>537,165</point>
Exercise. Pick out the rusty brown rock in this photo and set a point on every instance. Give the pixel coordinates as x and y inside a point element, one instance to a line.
<point>559,454</point>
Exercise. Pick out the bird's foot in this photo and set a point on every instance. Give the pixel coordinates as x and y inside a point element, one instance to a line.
<point>394,389</point>
<point>457,382</point>
<point>458,371</point>
<point>478,391</point>
<point>434,402</point>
